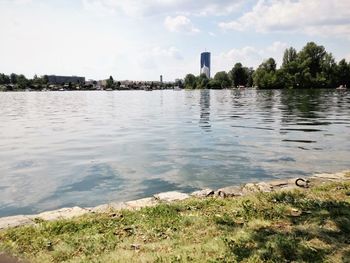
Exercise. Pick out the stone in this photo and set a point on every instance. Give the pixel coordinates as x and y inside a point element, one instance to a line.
<point>203,193</point>
<point>295,212</point>
<point>140,203</point>
<point>15,221</point>
<point>249,188</point>
<point>64,213</point>
<point>264,187</point>
<point>332,177</point>
<point>257,187</point>
<point>279,183</point>
<point>108,207</point>
<point>135,246</point>
<point>229,191</point>
<point>171,196</point>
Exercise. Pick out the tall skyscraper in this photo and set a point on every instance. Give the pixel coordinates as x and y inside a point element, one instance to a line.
<point>205,64</point>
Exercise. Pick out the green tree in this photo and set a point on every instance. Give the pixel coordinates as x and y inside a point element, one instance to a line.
<point>291,68</point>
<point>4,79</point>
<point>214,84</point>
<point>179,83</point>
<point>22,81</point>
<point>290,55</point>
<point>190,81</point>
<point>250,73</point>
<point>223,79</point>
<point>238,75</point>
<point>45,79</point>
<point>110,83</point>
<point>202,81</point>
<point>13,78</point>
<point>310,61</point>
<point>343,73</point>
<point>267,77</point>
<point>326,78</point>
<point>312,56</point>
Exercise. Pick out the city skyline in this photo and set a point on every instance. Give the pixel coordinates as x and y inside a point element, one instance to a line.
<point>139,40</point>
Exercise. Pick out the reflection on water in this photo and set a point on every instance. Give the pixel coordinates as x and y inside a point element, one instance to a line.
<point>204,120</point>
<point>86,148</point>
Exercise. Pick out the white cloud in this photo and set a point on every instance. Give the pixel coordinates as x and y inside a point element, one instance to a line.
<point>162,7</point>
<point>249,56</point>
<point>17,2</point>
<point>156,57</point>
<point>97,7</point>
<point>312,17</point>
<point>171,52</point>
<point>166,61</point>
<point>180,24</point>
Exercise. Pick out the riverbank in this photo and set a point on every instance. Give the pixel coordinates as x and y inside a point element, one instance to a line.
<point>168,197</point>
<point>266,221</point>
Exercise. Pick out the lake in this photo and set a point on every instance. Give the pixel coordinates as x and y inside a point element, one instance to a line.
<point>60,149</point>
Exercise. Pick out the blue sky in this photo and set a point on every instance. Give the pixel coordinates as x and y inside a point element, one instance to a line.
<point>141,39</point>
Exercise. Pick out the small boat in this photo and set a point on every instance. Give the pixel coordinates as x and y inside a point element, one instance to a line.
<point>109,89</point>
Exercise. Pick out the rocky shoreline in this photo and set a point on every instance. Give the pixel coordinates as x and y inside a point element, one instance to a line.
<point>168,197</point>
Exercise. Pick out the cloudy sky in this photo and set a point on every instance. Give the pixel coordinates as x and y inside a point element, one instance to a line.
<point>141,39</point>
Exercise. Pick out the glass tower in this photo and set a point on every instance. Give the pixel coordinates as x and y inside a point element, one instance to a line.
<point>205,64</point>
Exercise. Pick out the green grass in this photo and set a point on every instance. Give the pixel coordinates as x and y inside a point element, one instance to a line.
<point>296,226</point>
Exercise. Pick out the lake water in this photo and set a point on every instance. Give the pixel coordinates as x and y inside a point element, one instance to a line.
<point>61,149</point>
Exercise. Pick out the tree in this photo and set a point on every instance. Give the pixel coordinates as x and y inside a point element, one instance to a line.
<point>190,81</point>
<point>250,73</point>
<point>290,55</point>
<point>327,77</point>
<point>4,79</point>
<point>22,81</point>
<point>110,83</point>
<point>202,81</point>
<point>238,75</point>
<point>266,76</point>
<point>270,65</point>
<point>343,73</point>
<point>214,84</point>
<point>45,79</point>
<point>223,79</point>
<point>311,56</point>
<point>13,78</point>
<point>179,83</point>
<point>291,68</point>
<point>37,81</point>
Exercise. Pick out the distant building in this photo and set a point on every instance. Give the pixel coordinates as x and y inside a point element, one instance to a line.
<point>53,79</point>
<point>205,64</point>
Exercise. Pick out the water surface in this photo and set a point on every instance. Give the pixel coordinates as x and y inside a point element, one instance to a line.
<point>62,149</point>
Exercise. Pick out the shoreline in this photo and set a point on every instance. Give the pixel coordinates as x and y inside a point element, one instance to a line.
<point>173,196</point>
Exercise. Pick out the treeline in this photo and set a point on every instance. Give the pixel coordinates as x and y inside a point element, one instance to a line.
<point>21,82</point>
<point>311,67</point>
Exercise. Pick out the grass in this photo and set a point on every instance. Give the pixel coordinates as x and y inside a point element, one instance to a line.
<point>296,226</point>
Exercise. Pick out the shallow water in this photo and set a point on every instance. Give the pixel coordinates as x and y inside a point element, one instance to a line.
<point>62,149</point>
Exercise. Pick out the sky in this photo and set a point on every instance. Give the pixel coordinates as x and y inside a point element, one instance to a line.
<point>142,39</point>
